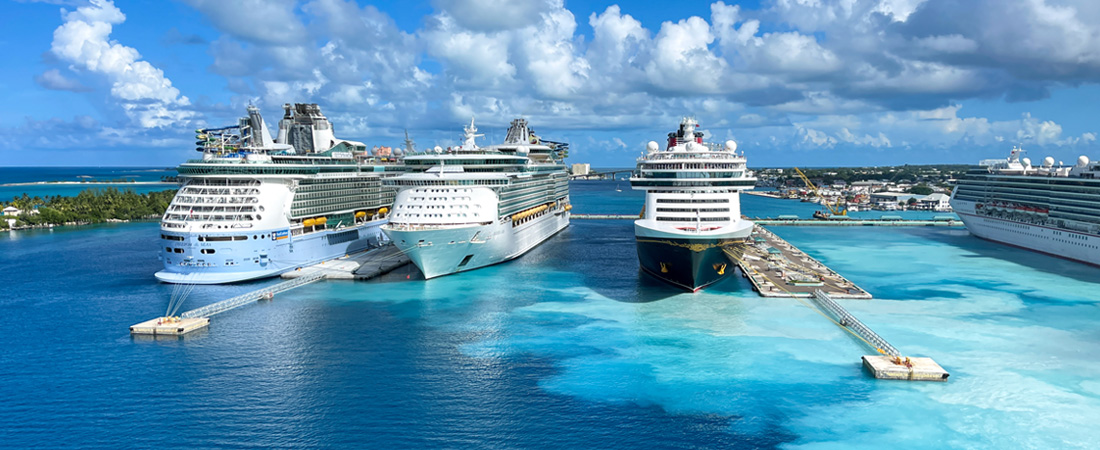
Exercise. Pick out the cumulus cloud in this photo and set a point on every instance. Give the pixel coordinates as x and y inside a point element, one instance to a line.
<point>143,91</point>
<point>877,75</point>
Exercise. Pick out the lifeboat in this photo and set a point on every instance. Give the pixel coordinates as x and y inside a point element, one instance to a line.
<point>360,214</point>
<point>309,222</point>
<point>321,220</point>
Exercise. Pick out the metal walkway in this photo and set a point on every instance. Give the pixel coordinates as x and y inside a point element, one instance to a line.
<point>847,320</point>
<point>241,300</point>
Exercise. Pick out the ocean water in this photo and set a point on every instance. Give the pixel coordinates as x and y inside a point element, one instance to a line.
<point>9,175</point>
<point>566,347</point>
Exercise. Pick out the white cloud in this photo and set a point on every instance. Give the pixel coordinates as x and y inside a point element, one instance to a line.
<point>682,61</point>
<point>146,95</point>
<point>495,15</point>
<point>53,79</point>
<point>258,21</point>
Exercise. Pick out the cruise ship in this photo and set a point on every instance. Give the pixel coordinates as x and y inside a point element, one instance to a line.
<point>468,207</point>
<point>1052,208</point>
<point>255,207</point>
<point>692,207</point>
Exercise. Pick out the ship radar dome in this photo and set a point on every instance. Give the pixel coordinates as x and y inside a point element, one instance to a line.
<point>438,149</point>
<point>731,146</point>
<point>651,146</point>
<point>1082,161</point>
<point>1026,162</point>
<point>1048,161</point>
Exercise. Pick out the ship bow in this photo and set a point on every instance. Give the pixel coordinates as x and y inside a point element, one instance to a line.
<point>689,263</point>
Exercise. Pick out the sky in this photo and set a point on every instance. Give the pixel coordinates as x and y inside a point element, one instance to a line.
<point>794,82</point>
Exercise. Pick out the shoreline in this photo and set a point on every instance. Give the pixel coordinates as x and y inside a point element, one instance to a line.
<point>51,226</point>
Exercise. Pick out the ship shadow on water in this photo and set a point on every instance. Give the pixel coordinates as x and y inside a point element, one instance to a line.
<point>983,248</point>
<point>603,255</point>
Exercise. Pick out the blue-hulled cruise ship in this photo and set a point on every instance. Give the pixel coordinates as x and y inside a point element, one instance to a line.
<point>255,207</point>
<point>692,207</point>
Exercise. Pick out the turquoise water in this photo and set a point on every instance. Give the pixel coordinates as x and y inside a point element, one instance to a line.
<point>567,346</point>
<point>10,175</point>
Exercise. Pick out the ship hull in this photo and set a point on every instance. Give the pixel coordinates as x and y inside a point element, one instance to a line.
<point>691,264</point>
<point>444,251</point>
<point>1067,244</point>
<point>261,254</point>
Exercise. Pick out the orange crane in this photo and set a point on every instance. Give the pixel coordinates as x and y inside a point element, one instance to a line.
<point>835,210</point>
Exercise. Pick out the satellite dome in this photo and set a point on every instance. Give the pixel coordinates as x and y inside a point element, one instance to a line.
<point>731,146</point>
<point>438,149</point>
<point>1026,162</point>
<point>522,150</point>
<point>652,146</point>
<point>1048,161</point>
<point>1082,161</point>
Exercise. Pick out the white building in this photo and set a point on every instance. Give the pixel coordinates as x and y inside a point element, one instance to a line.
<point>935,202</point>
<point>12,211</point>
<point>890,199</point>
<point>581,169</point>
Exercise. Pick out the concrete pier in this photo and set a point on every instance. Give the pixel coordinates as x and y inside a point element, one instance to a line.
<point>169,326</point>
<point>778,269</point>
<point>361,266</point>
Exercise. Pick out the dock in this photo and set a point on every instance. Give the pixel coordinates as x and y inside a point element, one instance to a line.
<point>361,266</point>
<point>778,269</point>
<point>169,326</point>
<point>889,363</point>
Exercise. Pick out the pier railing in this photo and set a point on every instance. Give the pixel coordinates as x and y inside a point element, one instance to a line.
<point>259,294</point>
<point>852,323</point>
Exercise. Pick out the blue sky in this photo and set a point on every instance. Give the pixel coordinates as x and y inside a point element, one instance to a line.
<point>795,82</point>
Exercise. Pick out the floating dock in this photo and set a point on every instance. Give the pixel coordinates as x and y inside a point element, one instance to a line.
<point>778,269</point>
<point>912,369</point>
<point>361,266</point>
<point>888,364</point>
<point>169,326</point>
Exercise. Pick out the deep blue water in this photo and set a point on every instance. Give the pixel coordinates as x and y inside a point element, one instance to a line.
<point>567,346</point>
<point>10,175</point>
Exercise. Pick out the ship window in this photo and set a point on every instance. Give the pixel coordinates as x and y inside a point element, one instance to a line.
<point>177,250</point>
<point>208,251</point>
<point>168,249</point>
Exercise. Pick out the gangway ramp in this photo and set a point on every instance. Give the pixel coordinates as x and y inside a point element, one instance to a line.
<point>889,364</point>
<point>260,294</point>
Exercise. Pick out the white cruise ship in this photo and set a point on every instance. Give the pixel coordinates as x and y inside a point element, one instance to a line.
<point>692,207</point>
<point>1053,209</point>
<point>470,207</point>
<point>256,207</point>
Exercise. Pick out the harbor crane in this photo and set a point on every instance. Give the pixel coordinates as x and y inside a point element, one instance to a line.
<point>834,210</point>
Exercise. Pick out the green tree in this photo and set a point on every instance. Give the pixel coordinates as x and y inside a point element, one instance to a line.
<point>920,189</point>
